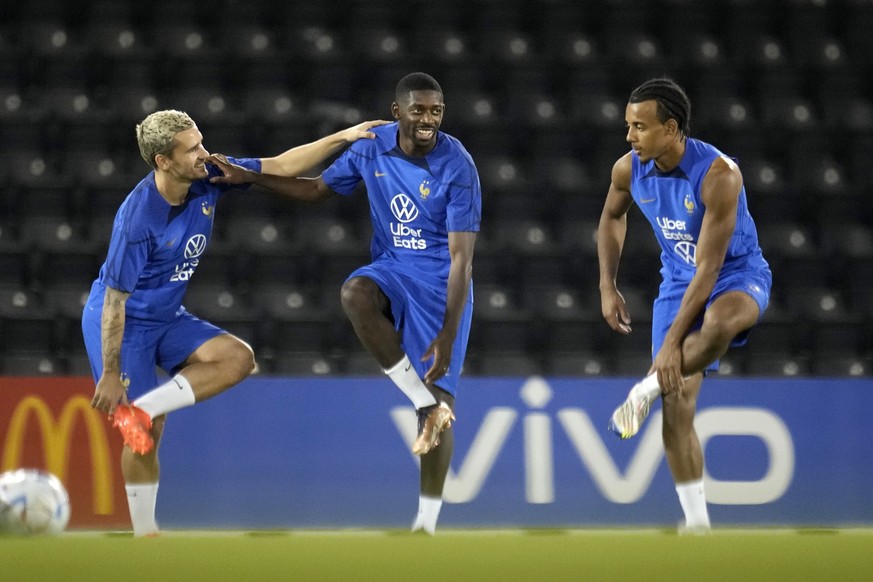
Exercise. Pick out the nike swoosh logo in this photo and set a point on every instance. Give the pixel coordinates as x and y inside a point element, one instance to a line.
<point>408,368</point>
<point>646,201</point>
<point>380,174</point>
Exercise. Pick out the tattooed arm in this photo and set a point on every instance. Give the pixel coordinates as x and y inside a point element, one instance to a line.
<point>110,390</point>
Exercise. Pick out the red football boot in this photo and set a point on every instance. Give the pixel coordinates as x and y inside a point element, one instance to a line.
<point>135,426</point>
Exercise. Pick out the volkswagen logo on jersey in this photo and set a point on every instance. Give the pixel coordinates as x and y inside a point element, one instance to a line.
<point>403,208</point>
<point>688,252</point>
<point>195,246</point>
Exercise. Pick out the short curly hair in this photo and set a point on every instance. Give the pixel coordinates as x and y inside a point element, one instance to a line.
<point>157,133</point>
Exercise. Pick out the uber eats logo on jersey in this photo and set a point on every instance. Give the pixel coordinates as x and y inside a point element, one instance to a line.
<point>405,211</point>
<point>194,247</point>
<point>676,230</point>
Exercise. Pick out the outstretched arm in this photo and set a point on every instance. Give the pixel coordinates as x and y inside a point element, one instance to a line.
<point>303,158</point>
<point>461,245</point>
<point>610,241</point>
<point>302,189</point>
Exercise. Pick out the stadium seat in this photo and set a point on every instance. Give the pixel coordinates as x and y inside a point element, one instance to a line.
<point>777,331</point>
<point>728,112</point>
<point>599,112</point>
<point>444,45</point>
<point>295,318</point>
<point>731,365</point>
<point>564,176</point>
<point>61,268</point>
<point>67,300</point>
<point>473,108</point>
<point>502,173</point>
<point>787,239</point>
<point>277,106</point>
<point>500,324</point>
<point>842,366</point>
<point>223,307</point>
<point>567,320</point>
<point>526,237</point>
<point>246,41</point>
<point>25,325</point>
<point>633,363</point>
<point>132,103</point>
<point>764,363</point>
<point>701,50</point>
<point>359,363</point>
<point>535,107</point>
<point>577,364</point>
<point>14,255</point>
<point>794,113</point>
<point>34,364</point>
<point>506,46</point>
<point>578,49</point>
<point>579,236</point>
<point>259,234</point>
<point>181,39</point>
<point>55,232</point>
<point>518,363</point>
<point>210,107</point>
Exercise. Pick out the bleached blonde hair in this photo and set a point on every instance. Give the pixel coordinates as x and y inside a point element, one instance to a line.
<point>157,133</point>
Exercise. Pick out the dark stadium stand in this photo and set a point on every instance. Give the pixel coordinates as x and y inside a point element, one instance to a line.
<point>535,90</point>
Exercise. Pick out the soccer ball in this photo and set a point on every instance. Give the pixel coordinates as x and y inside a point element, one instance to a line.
<point>33,502</point>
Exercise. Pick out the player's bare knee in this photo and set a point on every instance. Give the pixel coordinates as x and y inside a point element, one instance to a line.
<point>241,359</point>
<point>354,296</point>
<point>718,334</point>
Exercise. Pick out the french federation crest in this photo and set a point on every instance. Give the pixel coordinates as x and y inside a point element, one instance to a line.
<point>689,204</point>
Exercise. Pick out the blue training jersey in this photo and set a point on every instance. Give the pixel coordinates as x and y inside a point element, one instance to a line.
<point>672,204</point>
<point>155,247</point>
<point>414,202</point>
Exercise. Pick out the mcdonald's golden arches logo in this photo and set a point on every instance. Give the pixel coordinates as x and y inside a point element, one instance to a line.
<point>57,441</point>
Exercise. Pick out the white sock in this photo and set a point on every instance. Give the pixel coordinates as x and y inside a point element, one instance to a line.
<point>175,394</point>
<point>428,513</point>
<point>693,501</point>
<point>647,387</point>
<point>404,375</point>
<point>141,499</point>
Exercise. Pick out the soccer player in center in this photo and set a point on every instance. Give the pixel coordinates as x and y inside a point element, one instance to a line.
<point>716,283</point>
<point>412,306</point>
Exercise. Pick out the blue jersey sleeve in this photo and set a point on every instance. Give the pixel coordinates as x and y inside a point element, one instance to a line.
<point>464,211</point>
<point>129,250</point>
<point>344,175</point>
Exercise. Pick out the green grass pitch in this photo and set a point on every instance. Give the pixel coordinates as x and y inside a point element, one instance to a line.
<point>453,555</point>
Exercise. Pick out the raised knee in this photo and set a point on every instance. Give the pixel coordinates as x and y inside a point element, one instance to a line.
<point>243,360</point>
<point>719,333</point>
<point>354,295</point>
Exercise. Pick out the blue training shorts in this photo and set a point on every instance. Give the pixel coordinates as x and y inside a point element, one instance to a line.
<point>147,346</point>
<point>418,305</point>
<point>755,284</point>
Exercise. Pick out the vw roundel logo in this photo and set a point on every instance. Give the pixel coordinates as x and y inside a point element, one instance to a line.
<point>687,251</point>
<point>403,208</point>
<point>195,246</point>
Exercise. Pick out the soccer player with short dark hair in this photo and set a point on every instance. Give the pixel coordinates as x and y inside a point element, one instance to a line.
<point>411,307</point>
